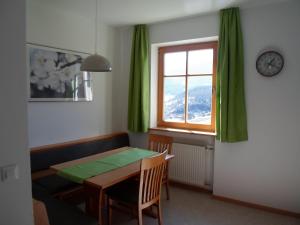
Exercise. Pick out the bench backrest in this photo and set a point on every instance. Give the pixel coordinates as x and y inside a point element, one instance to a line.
<point>43,157</point>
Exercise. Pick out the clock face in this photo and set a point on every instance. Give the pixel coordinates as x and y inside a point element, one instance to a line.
<point>269,63</point>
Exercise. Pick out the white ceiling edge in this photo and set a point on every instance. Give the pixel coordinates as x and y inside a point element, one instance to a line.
<point>247,4</point>
<point>120,13</point>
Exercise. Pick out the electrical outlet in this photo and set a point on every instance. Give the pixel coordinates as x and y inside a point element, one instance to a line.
<point>9,172</point>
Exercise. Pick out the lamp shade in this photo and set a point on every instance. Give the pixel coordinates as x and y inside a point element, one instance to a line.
<point>95,63</point>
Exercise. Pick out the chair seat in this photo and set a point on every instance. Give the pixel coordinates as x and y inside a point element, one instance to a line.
<point>126,191</point>
<point>55,184</point>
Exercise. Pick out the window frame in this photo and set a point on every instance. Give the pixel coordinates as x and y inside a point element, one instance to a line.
<point>160,98</point>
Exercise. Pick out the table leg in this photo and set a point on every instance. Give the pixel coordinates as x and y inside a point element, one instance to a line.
<point>91,204</point>
<point>95,203</point>
<point>100,204</point>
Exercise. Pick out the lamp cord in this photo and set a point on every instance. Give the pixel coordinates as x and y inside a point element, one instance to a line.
<point>96,30</point>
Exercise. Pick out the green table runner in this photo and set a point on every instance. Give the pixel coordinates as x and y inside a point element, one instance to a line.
<point>81,172</point>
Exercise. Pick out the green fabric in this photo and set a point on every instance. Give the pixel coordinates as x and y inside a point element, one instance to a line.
<point>139,86</point>
<point>81,172</point>
<point>231,118</point>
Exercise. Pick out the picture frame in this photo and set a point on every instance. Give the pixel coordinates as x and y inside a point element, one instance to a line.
<point>54,75</point>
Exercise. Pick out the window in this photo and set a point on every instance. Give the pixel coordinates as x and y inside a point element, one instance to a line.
<point>186,86</point>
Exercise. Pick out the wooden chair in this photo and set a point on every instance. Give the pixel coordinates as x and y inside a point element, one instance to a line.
<point>143,193</point>
<point>160,143</point>
<point>40,213</point>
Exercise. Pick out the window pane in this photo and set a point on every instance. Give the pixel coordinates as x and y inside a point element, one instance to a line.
<point>175,63</point>
<point>199,99</point>
<point>174,99</point>
<point>200,61</point>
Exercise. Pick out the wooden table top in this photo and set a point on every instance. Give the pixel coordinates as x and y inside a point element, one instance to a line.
<point>110,178</point>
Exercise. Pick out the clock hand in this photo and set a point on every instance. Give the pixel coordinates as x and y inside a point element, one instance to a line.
<point>270,62</point>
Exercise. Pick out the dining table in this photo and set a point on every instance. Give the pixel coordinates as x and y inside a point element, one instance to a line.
<point>95,182</point>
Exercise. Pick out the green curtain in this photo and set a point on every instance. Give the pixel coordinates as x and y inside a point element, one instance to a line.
<point>139,86</point>
<point>231,118</point>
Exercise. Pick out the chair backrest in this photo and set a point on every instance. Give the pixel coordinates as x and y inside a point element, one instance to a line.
<point>40,213</point>
<point>160,143</point>
<point>152,170</point>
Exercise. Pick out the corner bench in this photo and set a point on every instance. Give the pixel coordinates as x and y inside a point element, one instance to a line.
<point>43,157</point>
<point>46,185</point>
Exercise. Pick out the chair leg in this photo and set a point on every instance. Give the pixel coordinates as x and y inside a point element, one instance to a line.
<point>109,210</point>
<point>167,190</point>
<point>140,217</point>
<point>159,214</point>
<point>166,181</point>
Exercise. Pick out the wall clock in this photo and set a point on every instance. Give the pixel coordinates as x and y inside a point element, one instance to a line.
<point>269,63</point>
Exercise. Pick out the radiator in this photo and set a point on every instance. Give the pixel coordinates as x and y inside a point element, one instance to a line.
<point>192,165</point>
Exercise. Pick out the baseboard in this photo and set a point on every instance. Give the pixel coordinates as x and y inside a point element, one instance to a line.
<point>234,201</point>
<point>257,206</point>
<point>189,186</point>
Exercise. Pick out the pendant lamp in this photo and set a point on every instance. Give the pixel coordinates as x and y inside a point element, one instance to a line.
<point>95,62</point>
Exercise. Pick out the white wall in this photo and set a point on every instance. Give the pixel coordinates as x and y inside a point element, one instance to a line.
<point>121,78</point>
<point>265,169</point>
<point>70,25</point>
<point>15,195</point>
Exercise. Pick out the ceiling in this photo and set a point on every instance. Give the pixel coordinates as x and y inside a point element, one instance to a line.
<point>128,12</point>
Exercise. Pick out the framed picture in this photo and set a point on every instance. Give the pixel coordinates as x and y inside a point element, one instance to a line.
<point>54,75</point>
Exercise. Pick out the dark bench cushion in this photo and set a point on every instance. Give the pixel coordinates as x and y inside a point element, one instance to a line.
<point>59,212</point>
<point>41,160</point>
<point>54,184</point>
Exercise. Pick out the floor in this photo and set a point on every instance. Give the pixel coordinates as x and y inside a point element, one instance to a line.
<point>193,208</point>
